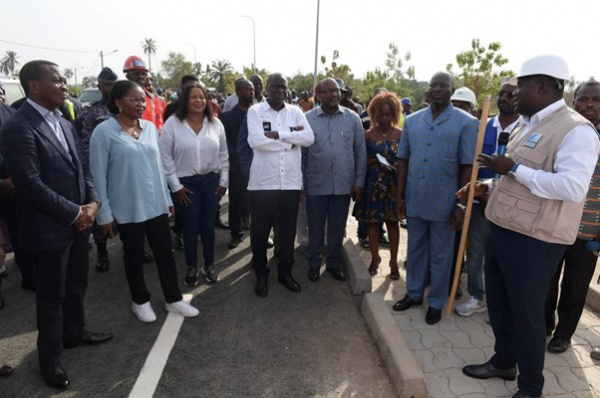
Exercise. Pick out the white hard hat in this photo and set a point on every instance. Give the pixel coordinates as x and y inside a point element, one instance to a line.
<point>548,65</point>
<point>464,94</point>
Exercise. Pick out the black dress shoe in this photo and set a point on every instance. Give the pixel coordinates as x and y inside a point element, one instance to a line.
<point>6,370</point>
<point>314,273</point>
<point>434,315</point>
<point>337,273</point>
<point>406,303</point>
<point>487,370</point>
<point>147,258</point>
<point>235,242</point>
<point>178,243</point>
<point>220,224</point>
<point>523,395</point>
<point>54,375</point>
<point>290,283</point>
<point>556,345</point>
<point>595,353</point>
<point>102,264</point>
<point>88,338</point>
<point>262,287</point>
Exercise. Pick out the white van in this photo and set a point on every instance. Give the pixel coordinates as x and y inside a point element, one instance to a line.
<point>13,88</point>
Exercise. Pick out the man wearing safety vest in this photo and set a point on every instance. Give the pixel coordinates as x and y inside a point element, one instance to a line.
<point>136,71</point>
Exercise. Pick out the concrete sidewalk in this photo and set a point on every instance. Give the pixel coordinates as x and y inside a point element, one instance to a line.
<point>441,350</point>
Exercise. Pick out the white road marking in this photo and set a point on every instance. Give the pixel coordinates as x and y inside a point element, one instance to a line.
<point>149,376</point>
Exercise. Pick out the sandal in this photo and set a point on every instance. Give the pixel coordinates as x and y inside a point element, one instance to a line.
<point>394,273</point>
<point>374,267</point>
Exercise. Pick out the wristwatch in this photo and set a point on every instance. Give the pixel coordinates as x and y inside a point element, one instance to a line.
<point>513,170</point>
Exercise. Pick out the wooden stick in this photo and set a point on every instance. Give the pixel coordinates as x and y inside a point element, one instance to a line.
<point>467,219</point>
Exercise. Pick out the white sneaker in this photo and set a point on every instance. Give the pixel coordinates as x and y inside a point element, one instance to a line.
<point>470,307</point>
<point>182,307</point>
<point>144,312</point>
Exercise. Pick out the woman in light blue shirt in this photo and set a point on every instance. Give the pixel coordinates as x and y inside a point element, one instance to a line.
<point>128,174</point>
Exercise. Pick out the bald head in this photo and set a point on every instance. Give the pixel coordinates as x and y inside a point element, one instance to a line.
<point>441,88</point>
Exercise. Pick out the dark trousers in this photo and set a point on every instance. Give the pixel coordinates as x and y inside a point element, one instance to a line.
<point>579,265</point>
<point>159,238</point>
<point>239,203</point>
<point>332,209</point>
<point>61,278</point>
<point>518,269</point>
<point>198,217</point>
<point>267,208</point>
<point>8,212</point>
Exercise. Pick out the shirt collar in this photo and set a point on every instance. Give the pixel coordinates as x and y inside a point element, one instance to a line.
<point>509,128</point>
<point>321,112</point>
<point>265,106</point>
<point>544,113</point>
<point>42,110</point>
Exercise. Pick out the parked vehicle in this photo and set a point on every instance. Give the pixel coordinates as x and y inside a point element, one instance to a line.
<point>13,88</point>
<point>89,96</point>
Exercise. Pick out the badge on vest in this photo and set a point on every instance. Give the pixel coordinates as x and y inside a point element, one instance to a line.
<point>533,140</point>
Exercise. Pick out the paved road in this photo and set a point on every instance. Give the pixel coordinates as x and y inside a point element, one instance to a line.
<point>312,344</point>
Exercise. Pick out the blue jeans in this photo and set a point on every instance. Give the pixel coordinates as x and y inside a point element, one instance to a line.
<point>199,217</point>
<point>430,249</point>
<point>479,228</point>
<point>334,210</point>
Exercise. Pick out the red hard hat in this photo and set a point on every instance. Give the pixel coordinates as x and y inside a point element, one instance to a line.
<point>134,62</point>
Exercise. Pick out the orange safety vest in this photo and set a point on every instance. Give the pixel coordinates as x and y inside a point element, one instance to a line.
<point>153,112</point>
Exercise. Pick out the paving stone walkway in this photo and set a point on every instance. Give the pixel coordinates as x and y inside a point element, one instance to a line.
<point>443,349</point>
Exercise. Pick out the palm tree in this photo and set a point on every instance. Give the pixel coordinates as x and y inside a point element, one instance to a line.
<point>219,70</point>
<point>9,63</point>
<point>149,45</point>
<point>68,74</point>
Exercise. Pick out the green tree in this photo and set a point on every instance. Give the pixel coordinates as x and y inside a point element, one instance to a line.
<point>68,74</point>
<point>9,63</point>
<point>149,46</point>
<point>174,68</point>
<point>220,73</point>
<point>336,70</point>
<point>395,64</point>
<point>481,69</point>
<point>89,82</point>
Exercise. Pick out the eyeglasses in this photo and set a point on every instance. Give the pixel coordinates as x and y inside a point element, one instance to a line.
<point>136,100</point>
<point>139,73</point>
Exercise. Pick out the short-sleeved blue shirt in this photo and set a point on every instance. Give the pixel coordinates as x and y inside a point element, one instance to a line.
<point>435,149</point>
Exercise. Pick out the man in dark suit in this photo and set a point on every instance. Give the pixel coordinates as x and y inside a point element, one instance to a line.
<point>57,205</point>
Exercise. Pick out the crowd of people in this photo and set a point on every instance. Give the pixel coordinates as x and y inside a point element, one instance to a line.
<point>130,163</point>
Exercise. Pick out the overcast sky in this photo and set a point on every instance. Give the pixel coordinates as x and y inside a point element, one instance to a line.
<point>434,31</point>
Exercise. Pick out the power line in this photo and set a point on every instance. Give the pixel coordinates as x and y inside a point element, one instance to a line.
<point>48,48</point>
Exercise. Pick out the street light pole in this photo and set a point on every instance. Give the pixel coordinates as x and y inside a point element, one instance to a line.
<point>75,71</point>
<point>102,57</point>
<point>253,39</point>
<point>316,48</point>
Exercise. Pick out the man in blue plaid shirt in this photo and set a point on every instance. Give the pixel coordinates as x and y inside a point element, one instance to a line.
<point>435,155</point>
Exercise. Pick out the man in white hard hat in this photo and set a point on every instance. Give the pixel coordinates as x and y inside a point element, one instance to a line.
<point>464,98</point>
<point>534,210</point>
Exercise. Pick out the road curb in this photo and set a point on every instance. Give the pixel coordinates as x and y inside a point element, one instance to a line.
<point>360,280</point>
<point>593,295</point>
<point>404,370</point>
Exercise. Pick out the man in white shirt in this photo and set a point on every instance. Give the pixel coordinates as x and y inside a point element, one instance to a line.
<point>534,210</point>
<point>276,131</point>
<point>479,226</point>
